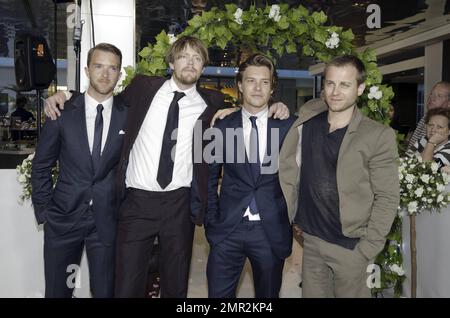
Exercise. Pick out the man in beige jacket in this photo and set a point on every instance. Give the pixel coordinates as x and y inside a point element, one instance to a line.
<point>339,176</point>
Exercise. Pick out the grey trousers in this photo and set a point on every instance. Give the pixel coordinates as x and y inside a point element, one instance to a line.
<point>330,270</point>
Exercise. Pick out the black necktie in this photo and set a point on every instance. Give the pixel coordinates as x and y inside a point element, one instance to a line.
<point>254,159</point>
<point>97,145</point>
<point>165,168</point>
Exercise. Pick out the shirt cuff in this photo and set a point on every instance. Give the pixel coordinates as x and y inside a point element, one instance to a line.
<point>68,94</point>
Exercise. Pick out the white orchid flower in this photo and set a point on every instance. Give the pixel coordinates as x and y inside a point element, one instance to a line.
<point>238,15</point>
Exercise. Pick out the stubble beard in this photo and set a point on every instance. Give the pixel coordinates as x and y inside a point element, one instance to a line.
<point>104,91</point>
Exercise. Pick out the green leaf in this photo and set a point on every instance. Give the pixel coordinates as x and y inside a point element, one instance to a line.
<point>283,23</point>
<point>323,56</point>
<point>219,30</point>
<point>319,18</point>
<point>347,35</point>
<point>196,21</point>
<point>303,11</point>
<point>162,36</point>
<point>300,28</point>
<point>157,64</point>
<point>145,52</point>
<point>369,55</point>
<point>308,50</point>
<point>270,30</point>
<point>207,16</point>
<point>320,35</point>
<point>291,48</point>
<point>222,42</point>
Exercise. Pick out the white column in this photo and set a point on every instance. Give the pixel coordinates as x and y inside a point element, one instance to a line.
<point>114,22</point>
<point>433,66</point>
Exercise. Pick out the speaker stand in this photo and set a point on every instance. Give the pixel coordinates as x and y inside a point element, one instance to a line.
<point>38,112</point>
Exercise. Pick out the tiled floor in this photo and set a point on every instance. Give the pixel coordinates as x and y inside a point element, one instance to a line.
<point>198,286</point>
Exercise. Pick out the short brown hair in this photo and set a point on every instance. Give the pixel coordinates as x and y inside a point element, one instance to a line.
<point>438,112</point>
<point>180,45</point>
<point>257,59</point>
<point>446,85</point>
<point>105,47</point>
<point>352,60</point>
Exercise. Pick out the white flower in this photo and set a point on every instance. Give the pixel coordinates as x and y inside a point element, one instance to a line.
<point>172,38</point>
<point>412,207</point>
<point>439,198</point>
<point>419,192</point>
<point>410,178</point>
<point>333,41</point>
<point>434,167</point>
<point>375,93</point>
<point>397,269</point>
<point>22,178</point>
<point>409,186</point>
<point>446,177</point>
<point>440,187</point>
<point>238,15</point>
<point>425,178</point>
<point>274,13</point>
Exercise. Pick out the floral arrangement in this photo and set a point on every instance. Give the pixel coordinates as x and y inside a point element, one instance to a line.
<point>24,177</point>
<point>422,185</point>
<point>273,30</point>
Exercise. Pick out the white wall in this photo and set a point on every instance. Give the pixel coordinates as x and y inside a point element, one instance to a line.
<point>114,22</point>
<point>21,246</point>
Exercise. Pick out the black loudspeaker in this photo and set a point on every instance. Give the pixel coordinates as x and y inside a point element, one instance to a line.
<point>33,62</point>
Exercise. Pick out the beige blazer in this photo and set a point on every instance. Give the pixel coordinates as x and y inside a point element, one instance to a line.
<point>367,177</point>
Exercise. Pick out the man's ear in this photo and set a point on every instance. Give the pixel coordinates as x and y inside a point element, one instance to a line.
<point>239,87</point>
<point>361,88</point>
<point>86,71</point>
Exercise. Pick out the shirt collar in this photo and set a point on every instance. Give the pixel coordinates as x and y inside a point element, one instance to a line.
<point>92,103</point>
<point>190,92</point>
<point>260,115</point>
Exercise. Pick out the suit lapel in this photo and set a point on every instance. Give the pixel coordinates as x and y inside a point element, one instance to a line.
<point>81,128</point>
<point>350,133</point>
<point>238,124</point>
<point>210,110</point>
<point>113,130</point>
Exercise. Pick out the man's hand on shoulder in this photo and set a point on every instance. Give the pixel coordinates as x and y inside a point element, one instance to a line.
<point>279,111</point>
<point>53,102</point>
<point>222,113</point>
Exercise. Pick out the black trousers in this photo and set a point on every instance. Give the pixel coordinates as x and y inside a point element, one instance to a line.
<point>62,256</point>
<point>143,216</point>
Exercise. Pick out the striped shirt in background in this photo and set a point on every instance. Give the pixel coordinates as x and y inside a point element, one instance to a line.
<point>419,133</point>
<point>441,153</point>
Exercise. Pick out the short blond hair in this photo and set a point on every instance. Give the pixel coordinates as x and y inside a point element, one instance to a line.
<point>180,45</point>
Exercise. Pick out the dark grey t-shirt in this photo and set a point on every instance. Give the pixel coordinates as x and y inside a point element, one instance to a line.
<point>318,208</point>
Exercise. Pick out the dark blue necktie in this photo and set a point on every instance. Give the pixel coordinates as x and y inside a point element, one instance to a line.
<point>254,160</point>
<point>97,145</point>
<point>166,162</point>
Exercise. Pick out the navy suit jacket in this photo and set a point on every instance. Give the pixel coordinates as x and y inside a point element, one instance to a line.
<point>226,210</point>
<point>65,140</point>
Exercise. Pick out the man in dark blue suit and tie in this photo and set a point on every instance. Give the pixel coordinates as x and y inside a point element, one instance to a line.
<point>248,218</point>
<point>81,209</point>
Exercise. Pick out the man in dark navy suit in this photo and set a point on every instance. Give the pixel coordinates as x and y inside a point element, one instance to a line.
<point>248,219</point>
<point>86,141</point>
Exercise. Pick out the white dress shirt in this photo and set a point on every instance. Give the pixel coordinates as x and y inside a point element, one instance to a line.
<point>144,157</point>
<point>91,113</point>
<point>261,123</point>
